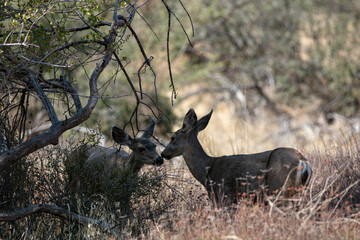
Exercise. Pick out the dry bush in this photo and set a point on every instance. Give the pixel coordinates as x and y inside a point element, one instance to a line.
<point>43,178</point>
<point>338,172</point>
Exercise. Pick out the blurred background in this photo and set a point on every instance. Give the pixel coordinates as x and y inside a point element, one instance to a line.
<point>276,73</point>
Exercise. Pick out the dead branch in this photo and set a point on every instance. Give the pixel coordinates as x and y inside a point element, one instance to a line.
<point>57,211</point>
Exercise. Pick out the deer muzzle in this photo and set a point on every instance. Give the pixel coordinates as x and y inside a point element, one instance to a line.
<point>159,161</point>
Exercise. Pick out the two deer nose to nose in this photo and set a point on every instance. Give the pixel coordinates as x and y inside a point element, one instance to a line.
<point>164,155</point>
<point>159,161</point>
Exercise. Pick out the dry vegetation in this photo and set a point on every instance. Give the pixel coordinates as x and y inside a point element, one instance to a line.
<point>328,209</point>
<point>177,207</point>
<point>312,80</point>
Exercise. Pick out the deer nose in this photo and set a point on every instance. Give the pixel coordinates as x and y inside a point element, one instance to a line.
<point>164,155</point>
<point>159,161</point>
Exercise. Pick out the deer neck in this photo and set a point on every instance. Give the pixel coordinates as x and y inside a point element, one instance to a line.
<point>196,159</point>
<point>133,165</point>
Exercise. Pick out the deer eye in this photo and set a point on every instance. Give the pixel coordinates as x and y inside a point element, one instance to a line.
<point>172,139</point>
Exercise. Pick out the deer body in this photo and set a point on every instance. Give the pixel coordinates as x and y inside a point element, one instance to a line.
<point>112,172</point>
<point>228,176</point>
<point>111,157</point>
<point>143,153</point>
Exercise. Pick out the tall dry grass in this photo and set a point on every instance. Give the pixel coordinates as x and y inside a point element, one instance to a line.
<point>171,204</point>
<point>327,209</point>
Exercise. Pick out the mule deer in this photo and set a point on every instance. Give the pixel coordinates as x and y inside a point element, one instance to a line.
<point>227,177</point>
<point>111,172</point>
<point>143,152</point>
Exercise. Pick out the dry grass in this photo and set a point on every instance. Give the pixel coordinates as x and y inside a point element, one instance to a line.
<point>328,209</point>
<point>179,208</point>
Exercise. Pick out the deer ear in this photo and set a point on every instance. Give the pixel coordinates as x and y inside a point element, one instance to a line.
<point>190,119</point>
<point>121,137</point>
<point>149,131</point>
<point>203,122</point>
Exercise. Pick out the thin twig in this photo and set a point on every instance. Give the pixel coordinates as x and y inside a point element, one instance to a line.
<point>173,93</point>
<point>88,24</point>
<point>191,22</point>
<point>127,77</point>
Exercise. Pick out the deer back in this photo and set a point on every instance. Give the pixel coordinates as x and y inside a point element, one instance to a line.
<point>239,173</point>
<point>106,159</point>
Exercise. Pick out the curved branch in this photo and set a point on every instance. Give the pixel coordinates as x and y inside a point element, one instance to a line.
<point>72,91</point>
<point>147,60</point>
<point>57,211</point>
<point>44,99</point>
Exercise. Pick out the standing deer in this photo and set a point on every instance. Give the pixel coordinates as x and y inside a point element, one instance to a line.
<point>112,172</point>
<point>227,177</point>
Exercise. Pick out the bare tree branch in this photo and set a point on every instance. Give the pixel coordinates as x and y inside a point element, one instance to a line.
<point>147,60</point>
<point>68,45</point>
<point>58,127</point>
<point>181,25</point>
<point>57,211</point>
<point>44,99</point>
<point>72,91</point>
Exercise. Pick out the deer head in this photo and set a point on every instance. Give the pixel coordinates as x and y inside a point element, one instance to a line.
<point>142,148</point>
<point>181,138</point>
